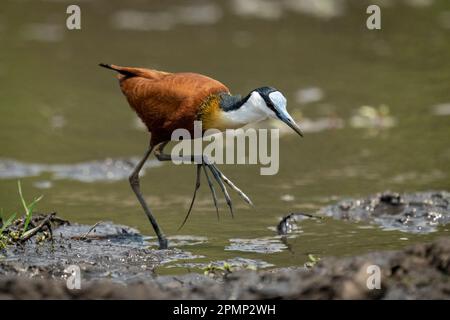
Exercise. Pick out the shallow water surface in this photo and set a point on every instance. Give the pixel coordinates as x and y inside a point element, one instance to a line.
<point>374,106</point>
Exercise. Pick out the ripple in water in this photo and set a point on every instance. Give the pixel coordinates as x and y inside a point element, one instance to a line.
<point>91,171</point>
<point>179,241</point>
<point>236,263</point>
<point>257,245</point>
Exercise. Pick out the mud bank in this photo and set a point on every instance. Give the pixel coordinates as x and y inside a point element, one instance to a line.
<point>420,212</point>
<point>417,272</point>
<point>116,261</point>
<point>103,251</point>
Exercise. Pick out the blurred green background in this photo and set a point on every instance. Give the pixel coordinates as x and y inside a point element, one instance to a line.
<point>375,106</point>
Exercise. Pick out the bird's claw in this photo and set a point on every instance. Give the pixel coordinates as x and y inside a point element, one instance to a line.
<point>213,192</point>
<point>217,175</point>
<point>197,185</point>
<point>233,186</point>
<point>221,180</point>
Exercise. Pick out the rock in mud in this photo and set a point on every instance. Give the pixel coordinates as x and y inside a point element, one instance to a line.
<point>420,212</point>
<point>289,222</point>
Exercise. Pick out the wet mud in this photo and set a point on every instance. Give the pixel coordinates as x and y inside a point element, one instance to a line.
<point>421,212</point>
<point>417,272</point>
<point>116,261</point>
<point>111,251</point>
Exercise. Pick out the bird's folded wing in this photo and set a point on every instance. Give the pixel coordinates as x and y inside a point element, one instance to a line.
<point>170,89</point>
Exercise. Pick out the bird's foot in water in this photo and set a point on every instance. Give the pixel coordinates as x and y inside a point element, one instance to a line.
<point>163,243</point>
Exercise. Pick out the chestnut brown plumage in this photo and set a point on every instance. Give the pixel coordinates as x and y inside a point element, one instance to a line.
<point>167,101</point>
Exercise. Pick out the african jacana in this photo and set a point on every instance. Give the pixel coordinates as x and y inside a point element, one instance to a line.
<point>167,101</point>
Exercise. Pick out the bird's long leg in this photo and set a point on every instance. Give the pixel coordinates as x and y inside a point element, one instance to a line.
<point>223,178</point>
<point>217,174</point>
<point>233,186</point>
<point>220,174</point>
<point>197,185</point>
<point>134,182</point>
<point>213,192</point>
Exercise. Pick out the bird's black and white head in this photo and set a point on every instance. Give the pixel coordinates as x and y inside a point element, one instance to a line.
<point>275,106</point>
<point>259,104</point>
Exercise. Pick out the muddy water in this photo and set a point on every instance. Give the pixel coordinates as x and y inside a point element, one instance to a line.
<point>374,106</point>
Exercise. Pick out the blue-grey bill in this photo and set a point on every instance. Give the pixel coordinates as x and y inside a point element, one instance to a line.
<point>291,123</point>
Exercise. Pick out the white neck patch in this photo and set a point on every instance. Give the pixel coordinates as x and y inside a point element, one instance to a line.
<point>253,110</point>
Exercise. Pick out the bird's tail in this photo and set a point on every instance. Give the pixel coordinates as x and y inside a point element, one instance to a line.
<point>122,70</point>
<point>135,72</point>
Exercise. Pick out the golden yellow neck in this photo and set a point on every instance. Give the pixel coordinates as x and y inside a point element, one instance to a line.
<point>213,116</point>
<point>210,114</point>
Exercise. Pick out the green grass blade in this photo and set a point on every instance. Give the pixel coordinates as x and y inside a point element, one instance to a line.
<point>7,223</point>
<point>22,199</point>
<point>28,208</point>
